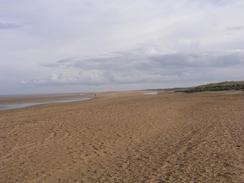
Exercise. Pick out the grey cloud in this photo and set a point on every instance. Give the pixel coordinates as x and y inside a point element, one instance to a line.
<point>200,60</point>
<point>8,25</point>
<point>140,61</point>
<point>126,68</point>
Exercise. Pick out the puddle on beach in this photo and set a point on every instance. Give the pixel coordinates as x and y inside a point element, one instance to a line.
<point>151,93</point>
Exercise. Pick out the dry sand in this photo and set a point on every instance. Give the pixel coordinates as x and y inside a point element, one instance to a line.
<point>127,137</point>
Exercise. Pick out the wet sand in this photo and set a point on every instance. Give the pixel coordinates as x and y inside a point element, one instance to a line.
<point>126,137</point>
<point>16,102</point>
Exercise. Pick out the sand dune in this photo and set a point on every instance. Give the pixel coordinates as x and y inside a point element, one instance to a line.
<point>126,137</point>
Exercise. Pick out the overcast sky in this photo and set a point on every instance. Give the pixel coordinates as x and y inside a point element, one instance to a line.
<point>91,45</point>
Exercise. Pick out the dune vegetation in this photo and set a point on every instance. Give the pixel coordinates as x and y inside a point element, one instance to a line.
<point>222,86</point>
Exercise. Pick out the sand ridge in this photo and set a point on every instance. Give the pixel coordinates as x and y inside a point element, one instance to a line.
<point>126,137</point>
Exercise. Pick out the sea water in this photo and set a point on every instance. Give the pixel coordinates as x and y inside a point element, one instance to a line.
<point>29,104</point>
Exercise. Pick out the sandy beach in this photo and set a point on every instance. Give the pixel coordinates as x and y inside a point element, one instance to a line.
<point>126,137</point>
